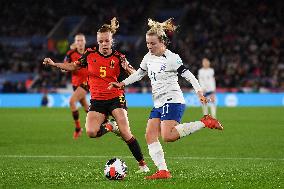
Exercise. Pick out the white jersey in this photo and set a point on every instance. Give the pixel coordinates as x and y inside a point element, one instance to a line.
<point>206,79</point>
<point>163,73</point>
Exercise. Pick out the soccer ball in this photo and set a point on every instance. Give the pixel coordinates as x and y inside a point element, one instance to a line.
<point>115,169</point>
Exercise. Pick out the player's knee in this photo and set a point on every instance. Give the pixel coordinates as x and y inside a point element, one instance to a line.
<point>91,134</point>
<point>121,121</point>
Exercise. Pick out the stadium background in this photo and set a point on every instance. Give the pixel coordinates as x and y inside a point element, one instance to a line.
<point>244,41</point>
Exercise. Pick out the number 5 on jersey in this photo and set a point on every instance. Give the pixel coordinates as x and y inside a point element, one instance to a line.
<point>103,71</point>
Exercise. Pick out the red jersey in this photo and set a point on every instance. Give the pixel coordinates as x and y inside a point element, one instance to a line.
<point>102,70</point>
<point>78,76</point>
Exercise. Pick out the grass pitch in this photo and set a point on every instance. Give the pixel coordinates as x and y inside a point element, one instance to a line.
<point>37,151</point>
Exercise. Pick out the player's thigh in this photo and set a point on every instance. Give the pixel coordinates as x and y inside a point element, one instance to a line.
<point>93,121</point>
<point>153,130</point>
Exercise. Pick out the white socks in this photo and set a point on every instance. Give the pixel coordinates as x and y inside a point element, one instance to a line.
<point>157,154</point>
<point>205,109</point>
<point>212,109</point>
<point>185,129</point>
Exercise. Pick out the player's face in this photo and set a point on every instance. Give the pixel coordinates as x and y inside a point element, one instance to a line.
<point>205,63</point>
<point>154,45</point>
<point>80,41</point>
<point>105,42</point>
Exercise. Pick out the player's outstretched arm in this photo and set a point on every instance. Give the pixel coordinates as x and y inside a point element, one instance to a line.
<point>136,76</point>
<point>116,85</point>
<point>63,66</point>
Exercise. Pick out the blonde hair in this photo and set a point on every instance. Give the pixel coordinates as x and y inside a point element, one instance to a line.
<point>114,25</point>
<point>159,29</point>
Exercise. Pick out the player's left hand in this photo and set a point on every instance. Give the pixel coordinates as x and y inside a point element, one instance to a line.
<point>202,98</point>
<point>116,85</point>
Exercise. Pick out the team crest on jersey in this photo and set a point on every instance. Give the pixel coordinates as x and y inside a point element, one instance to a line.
<point>163,67</point>
<point>111,65</point>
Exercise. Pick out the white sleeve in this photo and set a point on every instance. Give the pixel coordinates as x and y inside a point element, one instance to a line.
<point>176,62</point>
<point>139,74</point>
<point>143,64</point>
<point>191,78</point>
<point>185,73</point>
<point>136,76</point>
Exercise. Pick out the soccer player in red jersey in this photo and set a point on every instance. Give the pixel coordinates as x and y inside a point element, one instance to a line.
<point>79,81</point>
<point>106,65</point>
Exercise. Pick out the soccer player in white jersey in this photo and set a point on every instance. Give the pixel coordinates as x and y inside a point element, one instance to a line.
<point>208,84</point>
<point>163,67</point>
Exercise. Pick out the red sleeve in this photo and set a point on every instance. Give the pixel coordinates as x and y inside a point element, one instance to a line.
<point>82,62</point>
<point>67,58</point>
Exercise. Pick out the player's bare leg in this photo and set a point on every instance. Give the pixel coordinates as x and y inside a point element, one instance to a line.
<point>97,125</point>
<point>121,118</point>
<point>156,152</point>
<point>168,130</point>
<point>78,95</point>
<point>84,103</point>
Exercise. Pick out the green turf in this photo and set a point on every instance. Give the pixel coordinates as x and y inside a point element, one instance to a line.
<point>37,151</point>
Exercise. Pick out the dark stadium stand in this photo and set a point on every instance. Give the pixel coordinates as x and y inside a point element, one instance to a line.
<point>243,40</point>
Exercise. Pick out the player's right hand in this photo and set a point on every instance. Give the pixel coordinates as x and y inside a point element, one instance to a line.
<point>202,98</point>
<point>116,85</point>
<point>48,61</point>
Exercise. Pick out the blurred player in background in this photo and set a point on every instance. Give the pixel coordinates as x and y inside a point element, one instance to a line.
<point>163,67</point>
<point>208,84</point>
<point>79,81</point>
<point>106,65</point>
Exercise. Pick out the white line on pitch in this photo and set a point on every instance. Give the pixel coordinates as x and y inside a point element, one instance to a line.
<point>129,157</point>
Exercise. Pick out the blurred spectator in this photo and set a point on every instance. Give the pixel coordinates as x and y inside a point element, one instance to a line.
<point>244,40</point>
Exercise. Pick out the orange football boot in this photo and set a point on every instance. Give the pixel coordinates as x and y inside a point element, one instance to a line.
<point>77,134</point>
<point>162,174</point>
<point>211,122</point>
